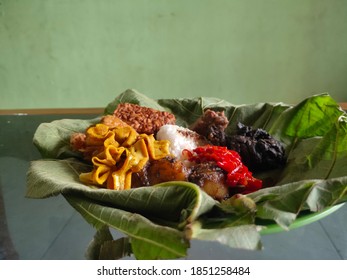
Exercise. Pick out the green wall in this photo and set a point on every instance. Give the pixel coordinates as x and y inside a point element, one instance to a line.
<point>82,53</point>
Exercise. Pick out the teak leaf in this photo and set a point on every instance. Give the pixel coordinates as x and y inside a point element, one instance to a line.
<point>159,221</point>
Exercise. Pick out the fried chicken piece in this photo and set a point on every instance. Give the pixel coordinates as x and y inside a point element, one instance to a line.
<point>159,171</point>
<point>211,179</point>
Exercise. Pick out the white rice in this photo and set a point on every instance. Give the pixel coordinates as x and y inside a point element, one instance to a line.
<point>180,138</point>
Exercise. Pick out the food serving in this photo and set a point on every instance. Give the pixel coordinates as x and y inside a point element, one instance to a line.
<point>164,172</point>
<point>140,146</point>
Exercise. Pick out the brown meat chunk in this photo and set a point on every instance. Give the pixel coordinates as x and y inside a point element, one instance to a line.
<point>212,125</point>
<point>159,171</point>
<point>211,179</point>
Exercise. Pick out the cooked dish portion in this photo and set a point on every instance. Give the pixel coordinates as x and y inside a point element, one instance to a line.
<point>180,138</point>
<point>159,171</point>
<point>143,119</point>
<point>257,148</point>
<point>211,125</point>
<point>139,146</point>
<point>211,179</point>
<point>116,153</point>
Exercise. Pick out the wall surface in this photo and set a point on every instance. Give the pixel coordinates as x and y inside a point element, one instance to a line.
<point>82,53</point>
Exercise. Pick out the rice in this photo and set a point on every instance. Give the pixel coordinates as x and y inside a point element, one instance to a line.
<point>180,138</point>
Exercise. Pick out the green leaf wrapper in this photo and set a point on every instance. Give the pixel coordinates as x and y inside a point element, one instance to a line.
<point>161,220</point>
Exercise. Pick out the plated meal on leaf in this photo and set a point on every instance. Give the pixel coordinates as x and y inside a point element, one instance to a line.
<point>139,146</point>
<point>167,171</point>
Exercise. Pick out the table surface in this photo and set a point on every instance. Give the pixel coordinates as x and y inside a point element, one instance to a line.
<point>52,229</point>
